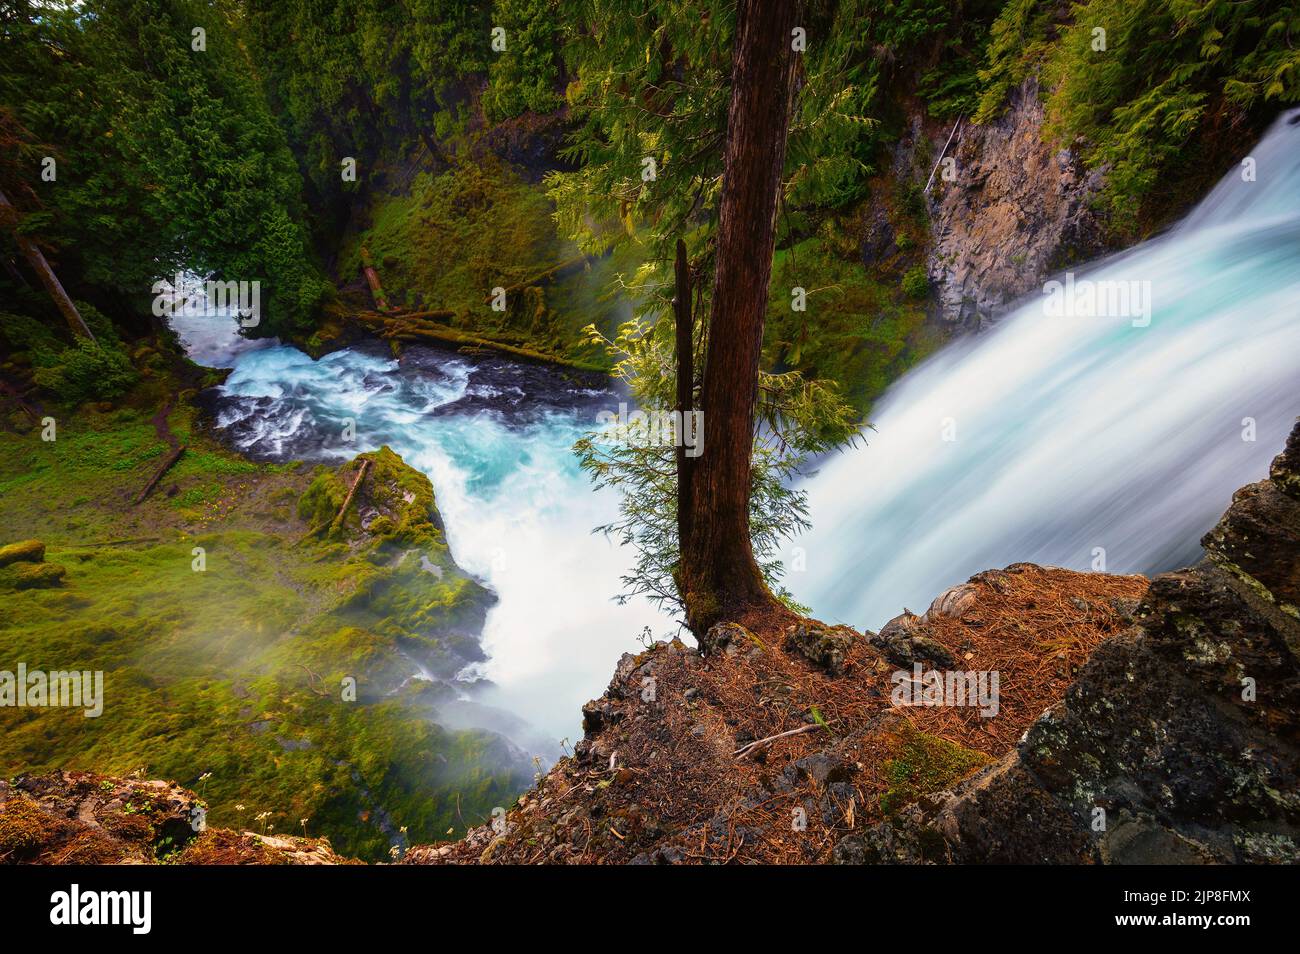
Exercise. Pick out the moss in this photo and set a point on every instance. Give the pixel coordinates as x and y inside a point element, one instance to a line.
<point>923,764</point>
<point>24,828</point>
<point>214,671</point>
<point>30,551</point>
<point>916,283</point>
<point>30,576</point>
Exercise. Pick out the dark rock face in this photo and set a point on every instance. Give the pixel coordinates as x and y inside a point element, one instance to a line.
<point>1178,743</point>
<point>1017,210</point>
<point>903,649</point>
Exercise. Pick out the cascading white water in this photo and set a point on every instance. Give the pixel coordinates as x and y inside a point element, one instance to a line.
<point>1071,434</point>
<point>1072,440</point>
<point>495,438</point>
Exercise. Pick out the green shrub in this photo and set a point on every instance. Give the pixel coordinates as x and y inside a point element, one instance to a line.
<point>916,284</point>
<point>87,371</point>
<point>1140,80</point>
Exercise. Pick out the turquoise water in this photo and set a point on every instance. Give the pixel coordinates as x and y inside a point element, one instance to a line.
<point>495,438</point>
<point>1101,438</point>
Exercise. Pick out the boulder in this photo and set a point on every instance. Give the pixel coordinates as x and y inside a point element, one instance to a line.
<point>824,646</point>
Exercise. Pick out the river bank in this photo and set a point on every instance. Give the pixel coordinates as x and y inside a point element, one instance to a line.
<point>225,638</point>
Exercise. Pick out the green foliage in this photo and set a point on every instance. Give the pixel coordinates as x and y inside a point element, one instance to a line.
<point>1016,45</point>
<point>1167,68</point>
<point>503,233</point>
<point>168,157</point>
<point>365,80</point>
<point>86,371</point>
<point>857,329</point>
<point>916,283</point>
<point>656,87</point>
<point>797,419</point>
<point>524,75</point>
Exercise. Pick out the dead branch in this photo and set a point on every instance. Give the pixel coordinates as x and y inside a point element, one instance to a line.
<point>172,458</point>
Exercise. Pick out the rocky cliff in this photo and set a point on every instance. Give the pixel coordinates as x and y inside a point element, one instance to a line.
<point>1179,741</point>
<point>986,212</point>
<point>1011,209</point>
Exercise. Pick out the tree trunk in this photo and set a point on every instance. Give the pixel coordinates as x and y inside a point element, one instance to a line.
<point>719,577</point>
<point>685,386</point>
<point>41,267</point>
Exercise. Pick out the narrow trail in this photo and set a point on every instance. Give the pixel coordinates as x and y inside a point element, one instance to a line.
<point>163,429</point>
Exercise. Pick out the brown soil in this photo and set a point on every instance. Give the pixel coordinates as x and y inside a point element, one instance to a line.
<point>670,779</point>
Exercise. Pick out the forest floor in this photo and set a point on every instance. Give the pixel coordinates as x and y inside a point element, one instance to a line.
<point>775,744</point>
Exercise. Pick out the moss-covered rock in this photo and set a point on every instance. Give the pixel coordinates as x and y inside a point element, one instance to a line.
<point>923,764</point>
<point>25,551</point>
<point>32,576</point>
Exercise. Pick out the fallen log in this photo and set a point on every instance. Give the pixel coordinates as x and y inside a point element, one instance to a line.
<point>347,501</point>
<point>36,259</point>
<point>172,458</point>
<point>121,542</point>
<point>372,278</point>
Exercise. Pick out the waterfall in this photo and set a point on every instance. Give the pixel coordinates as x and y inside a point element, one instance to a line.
<point>1102,424</point>
<point>495,438</point>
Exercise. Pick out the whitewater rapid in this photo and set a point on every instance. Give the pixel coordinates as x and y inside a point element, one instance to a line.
<point>495,439</point>
<point>1102,439</point>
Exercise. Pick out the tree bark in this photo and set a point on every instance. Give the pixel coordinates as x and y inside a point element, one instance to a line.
<point>685,385</point>
<point>41,267</point>
<point>719,576</point>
